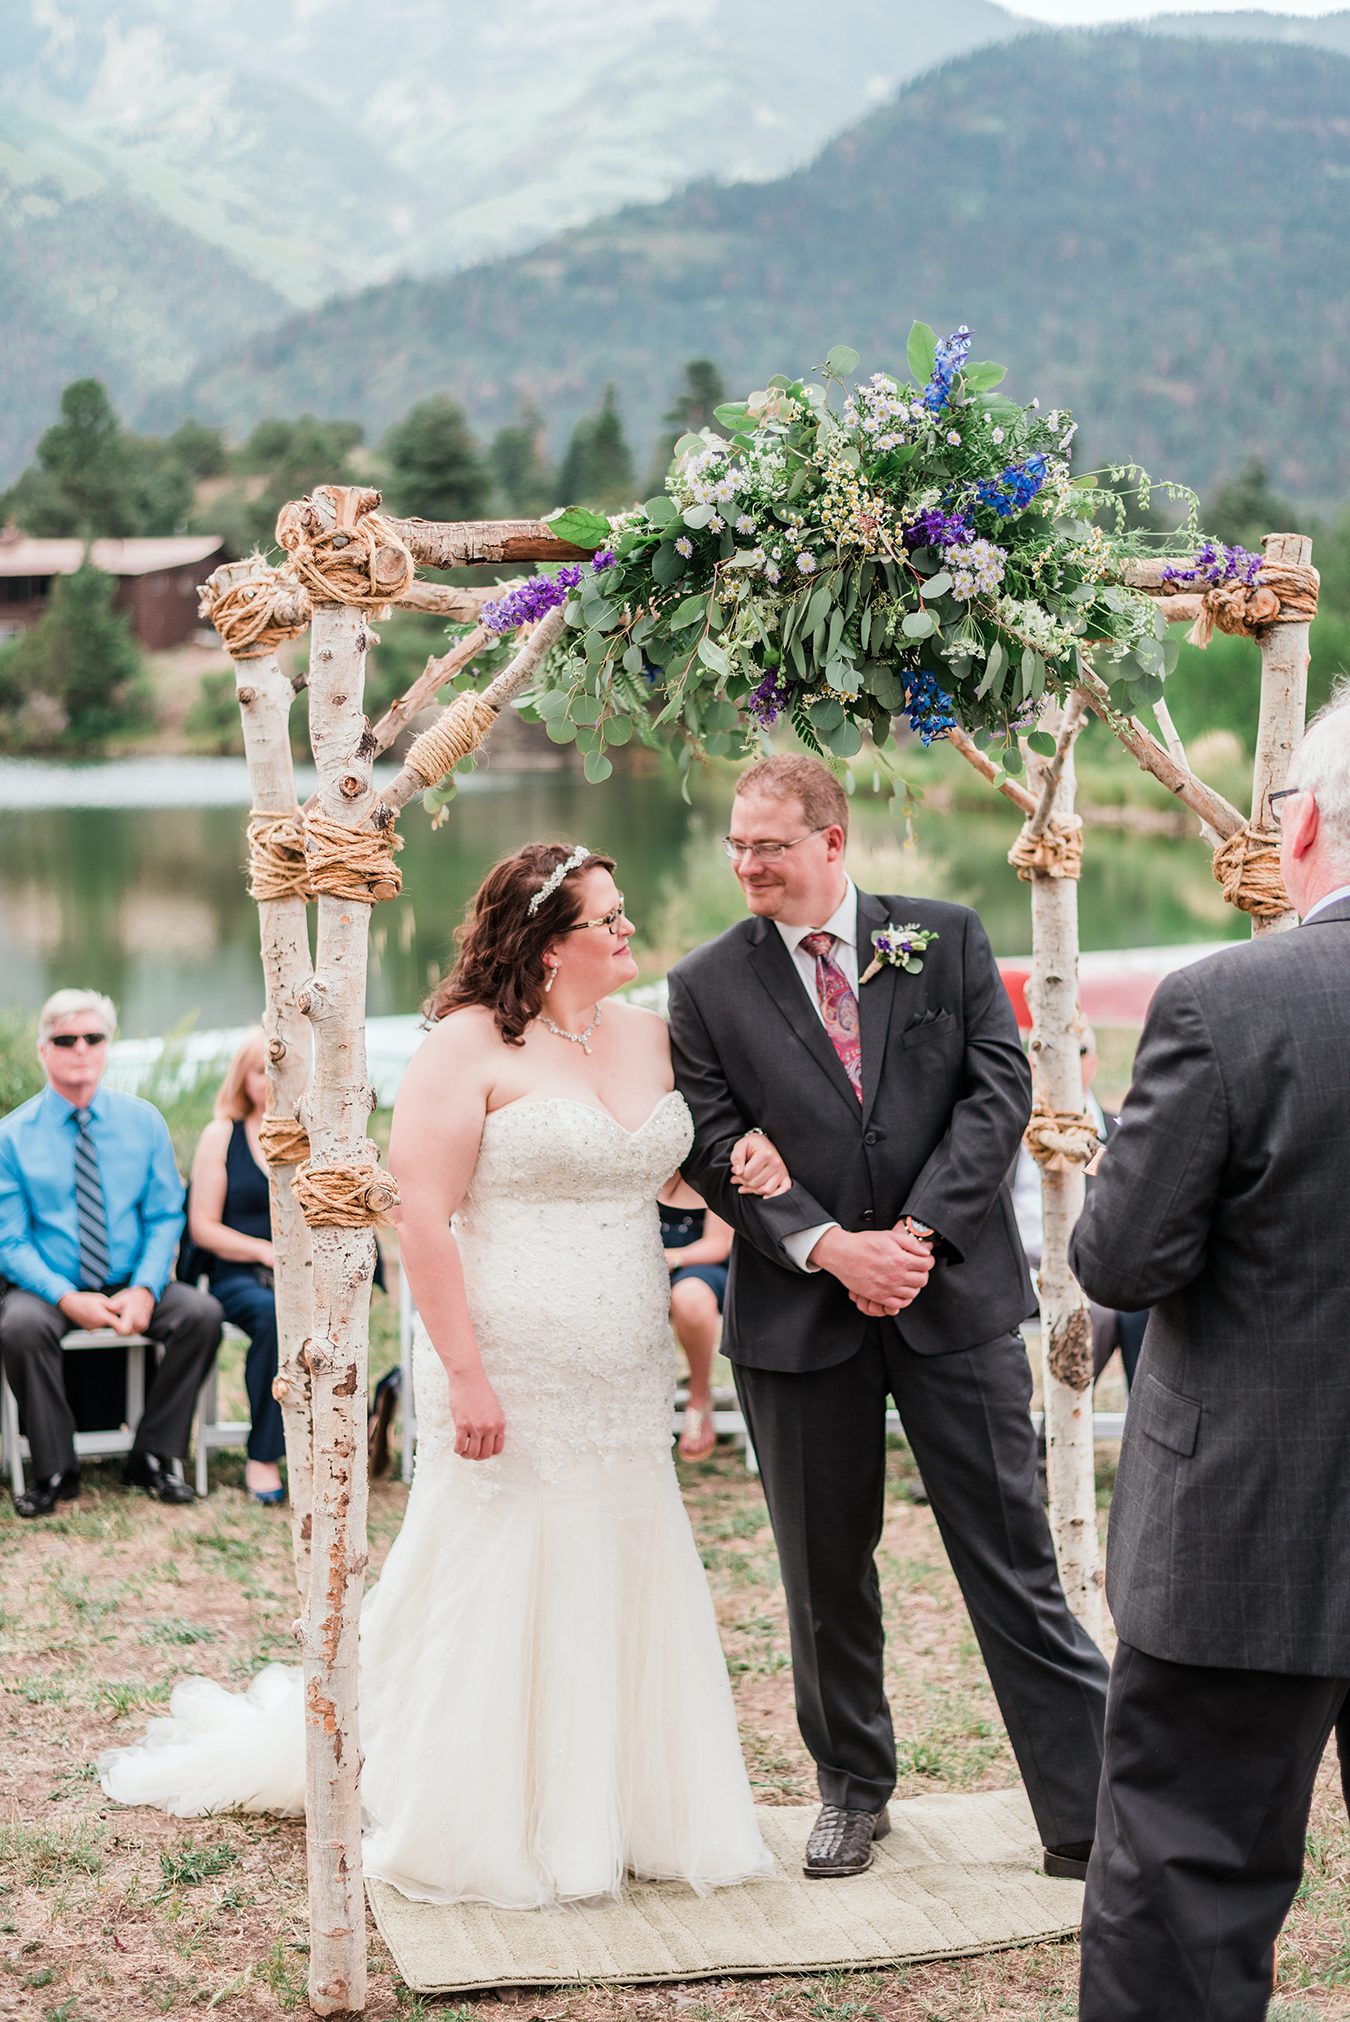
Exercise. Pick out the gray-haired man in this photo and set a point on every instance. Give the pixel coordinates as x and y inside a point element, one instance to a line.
<point>1221,1204</point>
<point>91,1212</point>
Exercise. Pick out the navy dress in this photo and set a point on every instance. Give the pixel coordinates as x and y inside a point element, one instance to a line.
<point>679,1228</point>
<point>245,1292</point>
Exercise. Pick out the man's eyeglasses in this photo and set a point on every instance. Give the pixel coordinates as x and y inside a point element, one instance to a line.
<point>766,852</point>
<point>610,920</point>
<point>90,1039</point>
<point>1273,808</point>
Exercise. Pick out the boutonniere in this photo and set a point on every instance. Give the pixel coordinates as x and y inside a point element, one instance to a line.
<point>898,948</point>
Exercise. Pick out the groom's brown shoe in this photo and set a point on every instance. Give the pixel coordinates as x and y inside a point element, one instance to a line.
<point>841,1841</point>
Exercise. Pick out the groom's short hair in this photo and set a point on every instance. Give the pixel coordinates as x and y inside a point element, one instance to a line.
<point>792,776</point>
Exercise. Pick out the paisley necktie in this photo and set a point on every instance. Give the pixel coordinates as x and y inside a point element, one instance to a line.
<point>838,1006</point>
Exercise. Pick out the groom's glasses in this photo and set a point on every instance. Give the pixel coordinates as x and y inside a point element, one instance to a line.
<point>766,852</point>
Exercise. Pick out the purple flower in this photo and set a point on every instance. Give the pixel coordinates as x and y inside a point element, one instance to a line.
<point>528,602</point>
<point>767,702</point>
<point>1217,563</point>
<point>938,529</point>
<point>952,353</point>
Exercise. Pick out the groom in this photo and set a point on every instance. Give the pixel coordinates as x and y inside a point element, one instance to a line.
<point>892,1267</point>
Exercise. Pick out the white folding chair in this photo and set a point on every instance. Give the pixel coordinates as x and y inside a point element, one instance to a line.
<point>100,1445</point>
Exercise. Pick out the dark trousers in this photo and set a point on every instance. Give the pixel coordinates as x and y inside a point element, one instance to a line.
<point>253,1307</point>
<point>821,1442</point>
<point>1204,1805</point>
<point>186,1325</point>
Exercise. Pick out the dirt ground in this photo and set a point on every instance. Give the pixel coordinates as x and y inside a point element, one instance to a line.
<point>108,1914</point>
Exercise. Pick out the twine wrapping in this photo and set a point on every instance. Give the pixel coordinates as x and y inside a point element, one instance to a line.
<point>253,618</point>
<point>1248,868</point>
<point>354,864</point>
<point>284,1141</point>
<point>277,868</point>
<point>1060,1139</point>
<point>458,730</point>
<point>356,559</point>
<point>1283,593</point>
<point>1057,852</point>
<point>345,1196</point>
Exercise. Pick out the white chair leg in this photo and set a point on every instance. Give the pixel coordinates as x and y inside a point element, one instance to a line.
<point>206,1416</point>
<point>9,1436</point>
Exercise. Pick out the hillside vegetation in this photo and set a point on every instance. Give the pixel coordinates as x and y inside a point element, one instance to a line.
<point>1150,230</point>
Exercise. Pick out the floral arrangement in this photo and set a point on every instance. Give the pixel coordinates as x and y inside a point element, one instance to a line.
<point>899,948</point>
<point>842,552</point>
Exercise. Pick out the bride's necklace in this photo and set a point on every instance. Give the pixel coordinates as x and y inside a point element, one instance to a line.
<point>581,1039</point>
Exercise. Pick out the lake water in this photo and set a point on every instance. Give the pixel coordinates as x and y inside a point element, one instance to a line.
<point>128,877</point>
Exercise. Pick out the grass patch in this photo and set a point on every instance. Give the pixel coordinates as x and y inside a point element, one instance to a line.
<point>37,1856</point>
<point>187,1866</point>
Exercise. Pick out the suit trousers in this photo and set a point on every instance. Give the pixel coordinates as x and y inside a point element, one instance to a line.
<point>186,1325</point>
<point>821,1442</point>
<point>1204,1805</point>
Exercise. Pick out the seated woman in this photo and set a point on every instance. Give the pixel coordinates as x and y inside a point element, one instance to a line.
<point>697,1245</point>
<point>230,1218</point>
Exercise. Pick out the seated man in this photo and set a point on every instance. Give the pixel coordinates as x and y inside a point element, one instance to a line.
<point>91,1211</point>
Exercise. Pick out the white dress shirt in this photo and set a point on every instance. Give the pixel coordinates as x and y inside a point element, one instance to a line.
<point>843,924</point>
<point>1331,899</point>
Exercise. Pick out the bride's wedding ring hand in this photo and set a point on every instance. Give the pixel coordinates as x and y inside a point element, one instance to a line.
<point>757,1166</point>
<point>480,1423</point>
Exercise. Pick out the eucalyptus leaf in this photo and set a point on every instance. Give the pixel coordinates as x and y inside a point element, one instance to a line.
<point>689,611</point>
<point>714,656</point>
<point>667,564</point>
<point>561,730</point>
<point>826,715</point>
<point>842,676</point>
<point>938,585</point>
<point>618,729</point>
<point>597,767</point>
<point>921,352</point>
<point>733,414</point>
<point>841,359</point>
<point>661,510</point>
<point>698,515</point>
<point>632,660</point>
<point>1042,743</point>
<point>845,740</point>
<point>918,624</point>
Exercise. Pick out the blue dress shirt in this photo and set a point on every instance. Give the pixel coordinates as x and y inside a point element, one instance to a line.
<point>142,1193</point>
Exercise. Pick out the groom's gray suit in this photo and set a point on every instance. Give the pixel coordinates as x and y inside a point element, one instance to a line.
<point>945,1097</point>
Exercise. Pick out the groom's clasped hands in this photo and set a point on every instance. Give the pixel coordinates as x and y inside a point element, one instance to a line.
<point>882,1270</point>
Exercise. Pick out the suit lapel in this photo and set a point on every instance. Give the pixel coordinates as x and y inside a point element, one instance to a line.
<point>875,1000</point>
<point>777,975</point>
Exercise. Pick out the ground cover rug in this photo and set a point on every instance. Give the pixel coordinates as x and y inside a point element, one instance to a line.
<point>958,1875</point>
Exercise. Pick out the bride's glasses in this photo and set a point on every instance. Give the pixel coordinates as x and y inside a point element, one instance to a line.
<point>610,920</point>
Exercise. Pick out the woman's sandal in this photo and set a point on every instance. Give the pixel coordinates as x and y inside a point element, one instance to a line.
<point>698,1434</point>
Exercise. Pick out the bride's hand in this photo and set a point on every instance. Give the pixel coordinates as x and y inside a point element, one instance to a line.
<point>480,1423</point>
<point>757,1166</point>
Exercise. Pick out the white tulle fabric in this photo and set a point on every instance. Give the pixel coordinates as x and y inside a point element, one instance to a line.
<point>544,1701</point>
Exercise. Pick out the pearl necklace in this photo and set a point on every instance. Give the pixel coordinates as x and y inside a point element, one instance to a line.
<point>581,1039</point>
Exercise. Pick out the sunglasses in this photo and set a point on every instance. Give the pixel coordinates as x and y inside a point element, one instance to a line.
<point>78,1038</point>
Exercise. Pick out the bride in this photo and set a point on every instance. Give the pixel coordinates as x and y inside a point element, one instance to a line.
<point>544,1701</point>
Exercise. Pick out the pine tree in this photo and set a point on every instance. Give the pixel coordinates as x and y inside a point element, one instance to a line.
<point>597,469</point>
<point>519,463</point>
<point>701,391</point>
<point>435,469</point>
<point>78,669</point>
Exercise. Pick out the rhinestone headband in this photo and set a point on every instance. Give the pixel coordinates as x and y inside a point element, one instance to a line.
<point>555,878</point>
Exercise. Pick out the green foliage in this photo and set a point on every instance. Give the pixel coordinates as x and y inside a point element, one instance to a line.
<point>435,469</point>
<point>212,724</point>
<point>291,457</point>
<point>921,546</point>
<point>20,1071</point>
<point>519,464</point>
<point>75,678</point>
<point>598,467</point>
<point>200,448</point>
<point>92,479</point>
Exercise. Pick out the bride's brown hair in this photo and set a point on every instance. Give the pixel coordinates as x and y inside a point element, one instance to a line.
<point>501,942</point>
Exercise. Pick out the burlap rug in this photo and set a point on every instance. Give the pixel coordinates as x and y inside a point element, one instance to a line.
<point>957,1875</point>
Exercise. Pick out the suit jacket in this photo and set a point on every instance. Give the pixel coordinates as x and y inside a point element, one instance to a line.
<point>946,1096</point>
<point>1222,1204</point>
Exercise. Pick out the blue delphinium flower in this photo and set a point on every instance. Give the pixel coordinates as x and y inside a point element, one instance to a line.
<point>929,708</point>
<point>1014,489</point>
<point>952,353</point>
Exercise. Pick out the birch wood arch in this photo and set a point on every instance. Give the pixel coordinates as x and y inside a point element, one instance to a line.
<point>319,1097</point>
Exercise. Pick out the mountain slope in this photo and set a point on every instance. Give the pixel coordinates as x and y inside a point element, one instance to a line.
<point>1149,230</point>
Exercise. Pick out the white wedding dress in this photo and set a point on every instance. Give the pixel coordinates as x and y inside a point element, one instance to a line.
<point>544,1701</point>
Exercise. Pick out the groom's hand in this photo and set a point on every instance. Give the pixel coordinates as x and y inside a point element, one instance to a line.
<point>882,1272</point>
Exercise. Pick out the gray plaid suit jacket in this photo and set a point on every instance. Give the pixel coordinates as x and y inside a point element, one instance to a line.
<point>946,1095</point>
<point>1223,1202</point>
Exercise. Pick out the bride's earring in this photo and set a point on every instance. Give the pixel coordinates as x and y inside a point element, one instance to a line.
<point>552,968</point>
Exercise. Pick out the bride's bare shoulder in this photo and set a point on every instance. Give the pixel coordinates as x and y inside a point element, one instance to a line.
<point>463,1042</point>
<point>645,1030</point>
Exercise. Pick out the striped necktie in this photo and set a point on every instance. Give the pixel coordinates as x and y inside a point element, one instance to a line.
<point>91,1218</point>
<point>838,1006</point>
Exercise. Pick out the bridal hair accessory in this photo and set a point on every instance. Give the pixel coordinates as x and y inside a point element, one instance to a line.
<point>555,878</point>
<point>900,947</point>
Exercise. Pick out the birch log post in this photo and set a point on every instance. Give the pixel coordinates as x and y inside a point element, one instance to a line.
<point>334,1000</point>
<point>1066,1326</point>
<point>1284,701</point>
<point>265,694</point>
